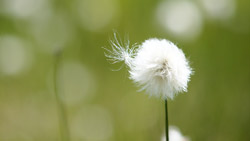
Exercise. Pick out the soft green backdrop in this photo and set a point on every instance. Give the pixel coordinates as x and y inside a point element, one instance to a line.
<point>104,105</point>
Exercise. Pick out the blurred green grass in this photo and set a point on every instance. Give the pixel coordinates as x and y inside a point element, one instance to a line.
<point>216,107</point>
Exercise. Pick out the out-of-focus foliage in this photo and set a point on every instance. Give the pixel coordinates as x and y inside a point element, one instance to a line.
<point>104,105</point>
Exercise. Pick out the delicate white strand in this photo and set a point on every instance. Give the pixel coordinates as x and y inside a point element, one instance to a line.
<point>120,53</point>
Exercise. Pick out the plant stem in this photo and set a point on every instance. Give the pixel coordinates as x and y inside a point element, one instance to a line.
<point>166,118</point>
<point>63,123</point>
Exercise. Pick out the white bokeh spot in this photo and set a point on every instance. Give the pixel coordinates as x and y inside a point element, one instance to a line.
<point>180,18</point>
<point>95,15</point>
<point>219,9</point>
<point>15,56</point>
<point>76,82</point>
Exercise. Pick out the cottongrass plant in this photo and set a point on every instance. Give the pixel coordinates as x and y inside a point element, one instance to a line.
<point>158,66</point>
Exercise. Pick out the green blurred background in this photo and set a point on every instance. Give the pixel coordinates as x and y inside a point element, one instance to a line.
<point>104,105</point>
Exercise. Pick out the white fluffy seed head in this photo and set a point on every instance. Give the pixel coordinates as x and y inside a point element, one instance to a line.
<point>158,66</point>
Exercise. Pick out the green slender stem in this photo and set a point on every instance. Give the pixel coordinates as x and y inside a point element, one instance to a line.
<point>166,117</point>
<point>63,122</point>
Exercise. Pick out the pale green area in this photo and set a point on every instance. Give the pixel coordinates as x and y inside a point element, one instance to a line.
<point>104,105</point>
